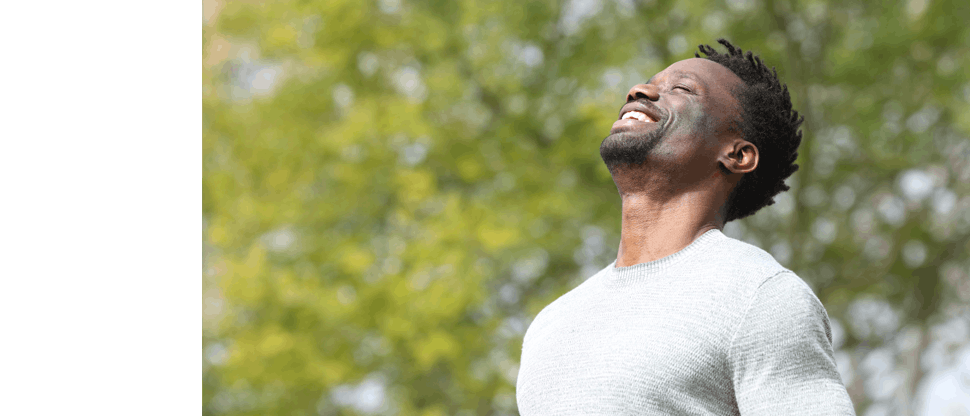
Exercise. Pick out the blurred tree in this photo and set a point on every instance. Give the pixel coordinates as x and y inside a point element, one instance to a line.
<point>393,189</point>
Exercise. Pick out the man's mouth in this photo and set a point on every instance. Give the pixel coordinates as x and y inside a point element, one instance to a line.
<point>638,116</point>
<point>642,111</point>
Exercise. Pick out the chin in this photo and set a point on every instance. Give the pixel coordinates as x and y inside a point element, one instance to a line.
<point>625,140</point>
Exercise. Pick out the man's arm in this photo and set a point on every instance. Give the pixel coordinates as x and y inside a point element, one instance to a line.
<point>781,355</point>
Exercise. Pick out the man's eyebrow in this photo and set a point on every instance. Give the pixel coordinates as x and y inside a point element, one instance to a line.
<point>690,75</point>
<point>683,74</point>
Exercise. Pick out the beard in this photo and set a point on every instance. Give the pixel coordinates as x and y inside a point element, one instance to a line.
<point>629,148</point>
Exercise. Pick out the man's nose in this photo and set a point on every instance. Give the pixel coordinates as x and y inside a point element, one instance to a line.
<point>643,91</point>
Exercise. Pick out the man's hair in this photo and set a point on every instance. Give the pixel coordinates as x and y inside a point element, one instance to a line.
<point>767,121</point>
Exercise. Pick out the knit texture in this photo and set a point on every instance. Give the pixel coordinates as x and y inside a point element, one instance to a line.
<point>718,328</point>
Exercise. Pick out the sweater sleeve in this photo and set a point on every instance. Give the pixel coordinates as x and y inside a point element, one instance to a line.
<point>781,355</point>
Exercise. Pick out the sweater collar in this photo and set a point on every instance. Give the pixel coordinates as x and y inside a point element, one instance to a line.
<point>620,275</point>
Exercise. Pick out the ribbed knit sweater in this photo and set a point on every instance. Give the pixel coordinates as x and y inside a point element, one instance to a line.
<point>718,328</point>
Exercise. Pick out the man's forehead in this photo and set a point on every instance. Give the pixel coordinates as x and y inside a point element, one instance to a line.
<point>700,69</point>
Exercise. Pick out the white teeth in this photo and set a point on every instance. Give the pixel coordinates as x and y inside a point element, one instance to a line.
<point>637,115</point>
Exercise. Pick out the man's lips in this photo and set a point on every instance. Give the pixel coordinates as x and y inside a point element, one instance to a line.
<point>641,109</point>
<point>636,115</point>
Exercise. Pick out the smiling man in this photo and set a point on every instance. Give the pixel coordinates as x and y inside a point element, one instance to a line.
<point>688,321</point>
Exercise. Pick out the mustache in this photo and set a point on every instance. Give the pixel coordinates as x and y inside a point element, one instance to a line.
<point>650,107</point>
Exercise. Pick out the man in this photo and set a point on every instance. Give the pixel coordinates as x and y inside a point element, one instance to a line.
<point>688,321</point>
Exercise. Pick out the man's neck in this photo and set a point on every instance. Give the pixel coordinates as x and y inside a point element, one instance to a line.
<point>653,229</point>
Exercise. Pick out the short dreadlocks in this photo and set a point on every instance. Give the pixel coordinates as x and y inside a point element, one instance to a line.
<point>767,121</point>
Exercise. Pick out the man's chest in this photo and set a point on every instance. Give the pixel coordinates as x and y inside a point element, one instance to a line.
<point>627,357</point>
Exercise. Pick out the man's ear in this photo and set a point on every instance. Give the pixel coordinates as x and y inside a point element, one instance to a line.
<point>741,156</point>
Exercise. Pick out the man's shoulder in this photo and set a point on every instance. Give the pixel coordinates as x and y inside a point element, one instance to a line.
<point>744,262</point>
<point>756,271</point>
<point>575,294</point>
<point>566,302</point>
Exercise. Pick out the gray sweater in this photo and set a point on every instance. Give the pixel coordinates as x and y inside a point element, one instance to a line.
<point>718,328</point>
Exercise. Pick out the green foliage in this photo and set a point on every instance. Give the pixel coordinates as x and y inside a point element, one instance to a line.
<point>392,190</point>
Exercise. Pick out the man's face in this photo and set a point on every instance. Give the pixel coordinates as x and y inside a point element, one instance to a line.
<point>676,121</point>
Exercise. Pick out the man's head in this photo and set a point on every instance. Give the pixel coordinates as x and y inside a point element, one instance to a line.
<point>726,114</point>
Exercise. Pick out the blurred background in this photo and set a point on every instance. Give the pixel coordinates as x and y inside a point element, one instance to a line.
<point>393,189</point>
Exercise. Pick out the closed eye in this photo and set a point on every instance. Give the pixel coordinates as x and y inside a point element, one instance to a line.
<point>682,87</point>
